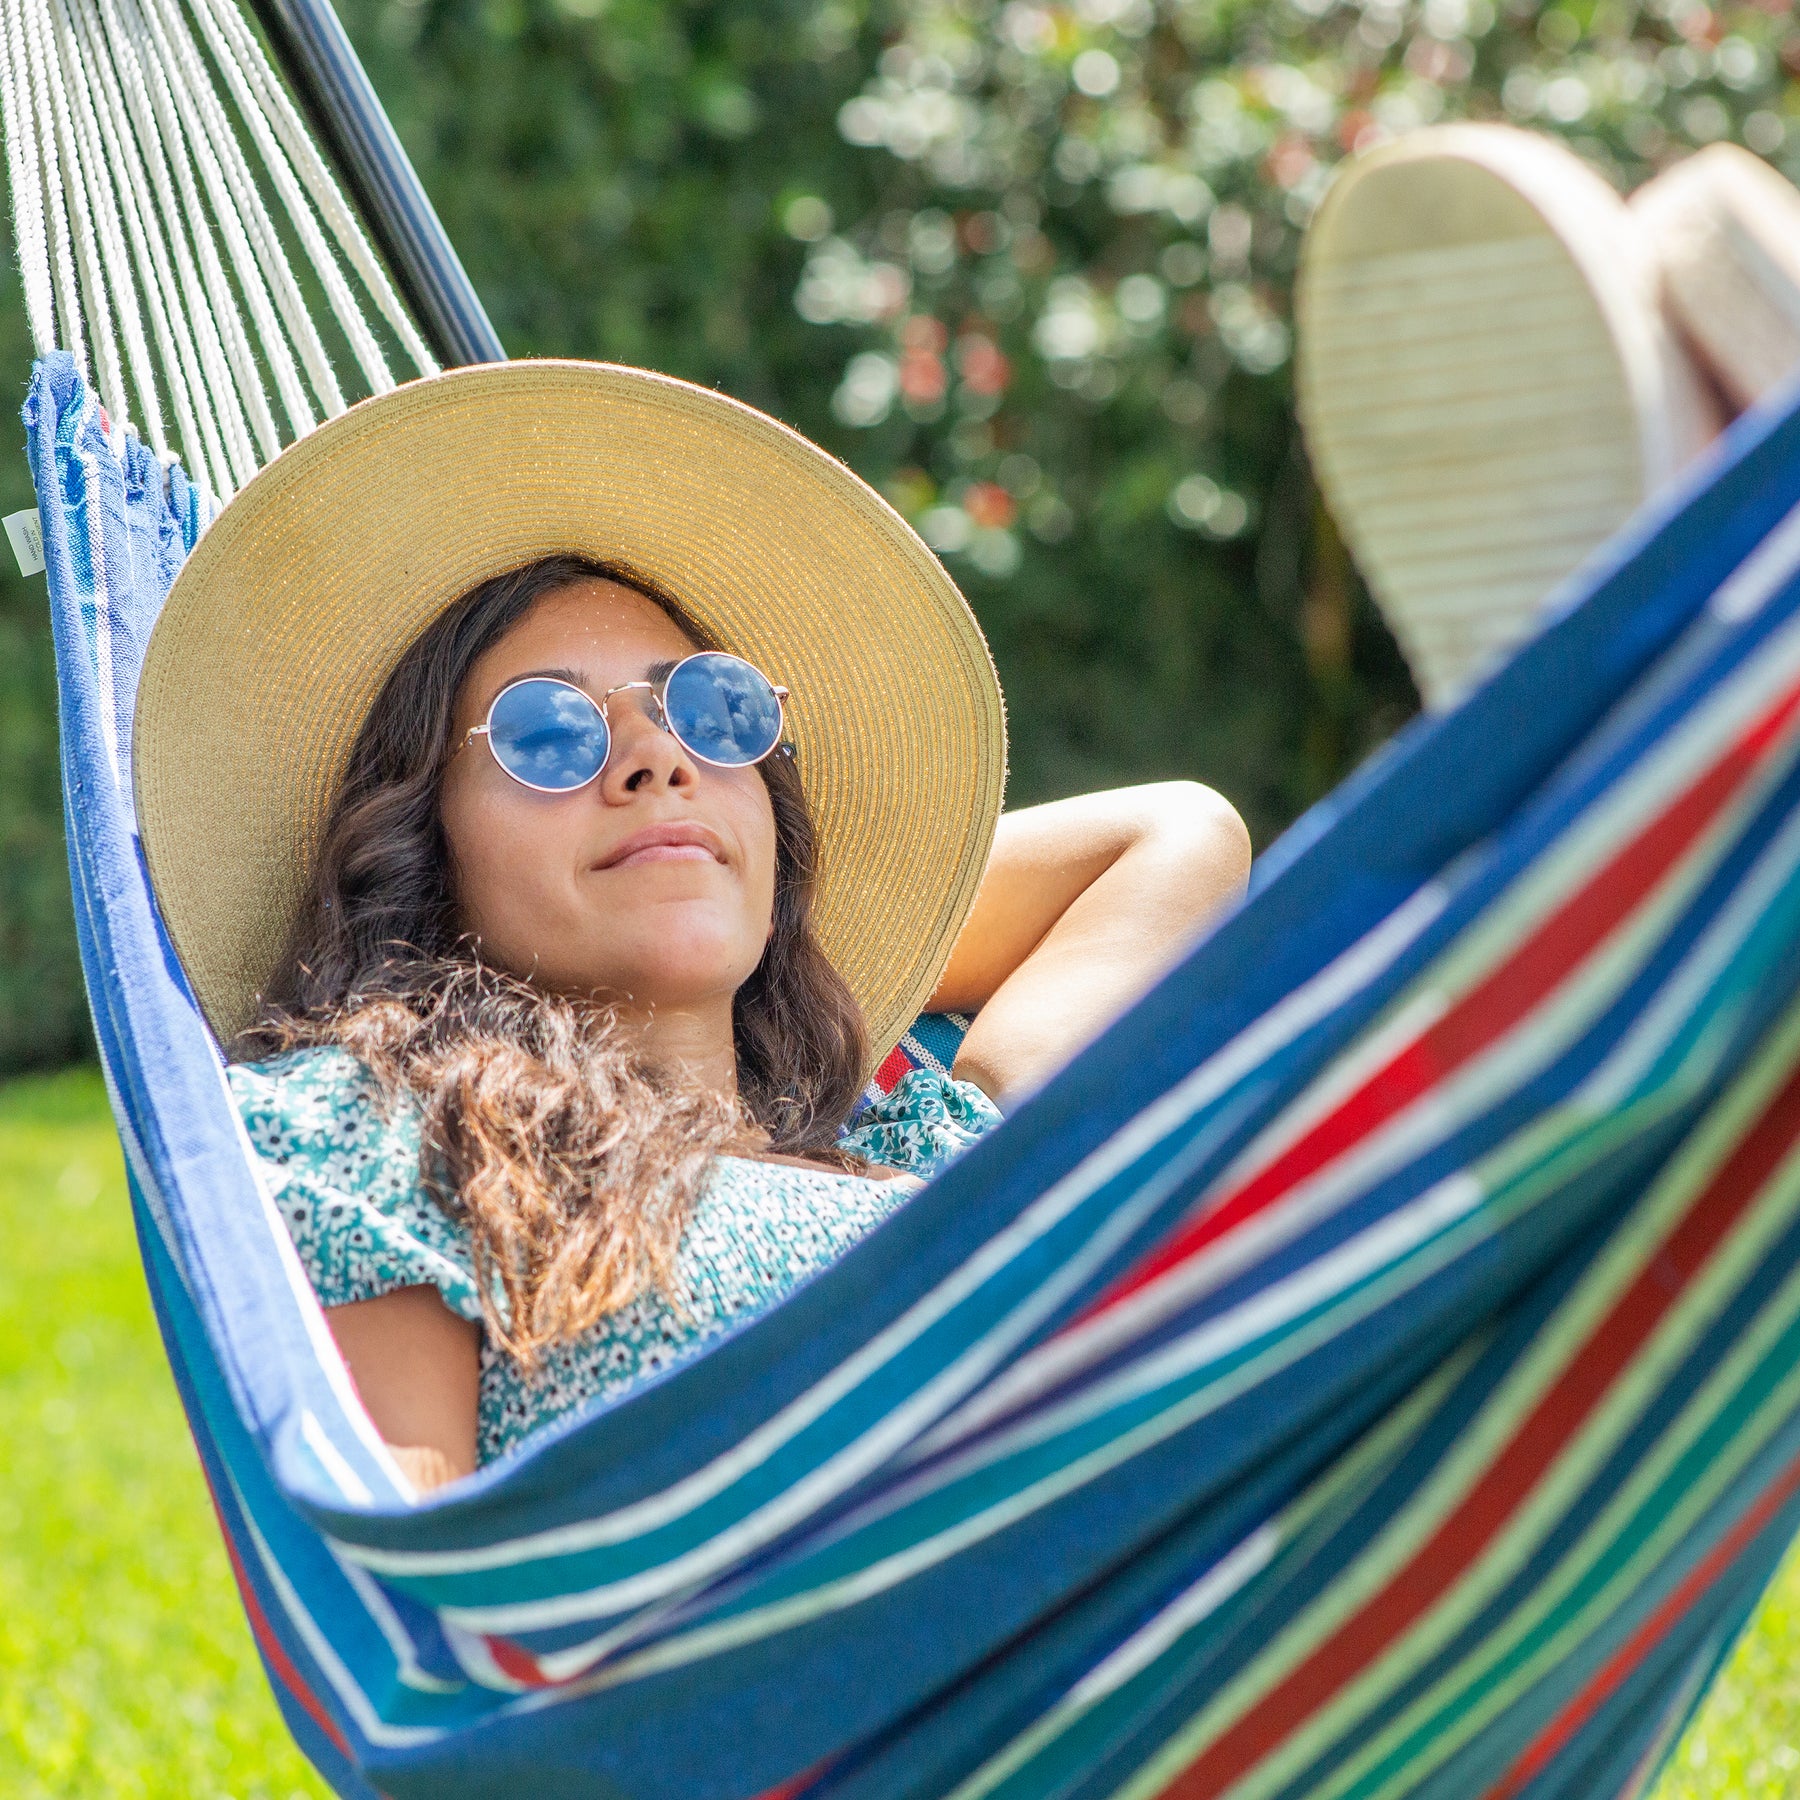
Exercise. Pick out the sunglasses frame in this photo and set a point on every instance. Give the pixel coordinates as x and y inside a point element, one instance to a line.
<point>660,719</point>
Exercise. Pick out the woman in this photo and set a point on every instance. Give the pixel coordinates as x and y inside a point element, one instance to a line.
<point>552,1079</point>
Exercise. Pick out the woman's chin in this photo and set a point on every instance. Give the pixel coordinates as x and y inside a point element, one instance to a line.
<point>686,959</point>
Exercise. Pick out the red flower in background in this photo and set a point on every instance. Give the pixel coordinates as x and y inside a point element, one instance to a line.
<point>982,364</point>
<point>990,505</point>
<point>1289,160</point>
<point>923,378</point>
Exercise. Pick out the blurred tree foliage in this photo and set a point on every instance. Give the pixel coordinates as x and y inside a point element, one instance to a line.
<point>43,1013</point>
<point>1026,266</point>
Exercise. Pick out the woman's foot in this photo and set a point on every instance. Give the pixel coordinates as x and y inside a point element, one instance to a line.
<point>1486,383</point>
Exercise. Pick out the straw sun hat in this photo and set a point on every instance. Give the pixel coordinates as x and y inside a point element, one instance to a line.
<point>299,600</point>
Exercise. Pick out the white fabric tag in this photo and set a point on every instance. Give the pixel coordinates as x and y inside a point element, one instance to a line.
<point>27,540</point>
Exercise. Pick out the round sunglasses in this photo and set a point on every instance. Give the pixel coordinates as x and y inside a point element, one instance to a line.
<point>553,737</point>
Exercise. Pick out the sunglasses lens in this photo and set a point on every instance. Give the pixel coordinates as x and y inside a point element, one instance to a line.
<point>548,735</point>
<point>723,710</point>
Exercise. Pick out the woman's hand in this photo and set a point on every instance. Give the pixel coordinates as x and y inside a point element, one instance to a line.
<point>1084,903</point>
<point>417,1366</point>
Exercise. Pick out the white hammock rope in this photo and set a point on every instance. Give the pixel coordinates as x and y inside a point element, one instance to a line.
<point>162,181</point>
<point>176,344</point>
<point>82,213</point>
<point>299,321</point>
<point>193,153</point>
<point>243,219</point>
<point>43,120</point>
<point>268,104</point>
<point>186,297</point>
<point>107,215</point>
<point>179,358</point>
<point>25,180</point>
<point>209,297</point>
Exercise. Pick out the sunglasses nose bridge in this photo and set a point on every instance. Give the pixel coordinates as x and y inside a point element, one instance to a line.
<point>651,706</point>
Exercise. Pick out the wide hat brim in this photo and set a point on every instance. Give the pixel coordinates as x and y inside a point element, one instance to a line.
<point>297,602</point>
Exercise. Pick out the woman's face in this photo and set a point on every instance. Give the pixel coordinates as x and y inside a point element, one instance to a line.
<point>654,885</point>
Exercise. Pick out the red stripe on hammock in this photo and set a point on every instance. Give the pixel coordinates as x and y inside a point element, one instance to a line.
<point>1613,1673</point>
<point>895,1067</point>
<point>519,1665</point>
<point>274,1654</point>
<point>1502,999</point>
<point>800,1783</point>
<point>1592,1369</point>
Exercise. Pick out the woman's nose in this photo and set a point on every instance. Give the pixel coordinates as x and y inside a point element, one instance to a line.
<point>644,754</point>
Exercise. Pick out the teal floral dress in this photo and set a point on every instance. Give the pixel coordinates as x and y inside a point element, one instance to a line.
<point>342,1165</point>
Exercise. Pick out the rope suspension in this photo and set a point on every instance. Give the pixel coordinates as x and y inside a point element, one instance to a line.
<point>181,236</point>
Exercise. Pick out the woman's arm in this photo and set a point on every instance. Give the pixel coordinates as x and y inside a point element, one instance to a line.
<point>417,1366</point>
<point>1084,903</point>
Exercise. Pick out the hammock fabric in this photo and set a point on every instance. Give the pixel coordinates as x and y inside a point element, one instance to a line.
<point>1372,1369</point>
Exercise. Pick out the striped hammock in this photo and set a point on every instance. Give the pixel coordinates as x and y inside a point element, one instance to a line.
<point>1372,1369</point>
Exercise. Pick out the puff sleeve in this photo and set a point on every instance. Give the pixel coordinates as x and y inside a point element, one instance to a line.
<point>341,1162</point>
<point>924,1122</point>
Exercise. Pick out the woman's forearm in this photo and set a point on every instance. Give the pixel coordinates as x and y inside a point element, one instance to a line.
<point>1086,903</point>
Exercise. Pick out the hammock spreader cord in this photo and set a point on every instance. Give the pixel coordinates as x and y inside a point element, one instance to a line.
<point>249,232</point>
<point>187,299</point>
<point>43,118</point>
<point>174,116</point>
<point>89,265</point>
<point>139,196</point>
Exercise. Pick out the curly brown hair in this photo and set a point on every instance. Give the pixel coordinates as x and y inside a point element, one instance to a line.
<point>572,1157</point>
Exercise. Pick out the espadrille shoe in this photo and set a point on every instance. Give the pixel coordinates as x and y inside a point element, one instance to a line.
<point>1486,384</point>
<point>1725,229</point>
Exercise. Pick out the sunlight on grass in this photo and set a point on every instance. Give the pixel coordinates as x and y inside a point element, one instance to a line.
<point>1745,1745</point>
<point>126,1670</point>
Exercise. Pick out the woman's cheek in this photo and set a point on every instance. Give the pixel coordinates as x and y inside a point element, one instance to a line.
<point>492,866</point>
<point>759,834</point>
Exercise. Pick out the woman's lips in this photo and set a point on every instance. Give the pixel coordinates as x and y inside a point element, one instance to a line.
<point>655,853</point>
<point>664,843</point>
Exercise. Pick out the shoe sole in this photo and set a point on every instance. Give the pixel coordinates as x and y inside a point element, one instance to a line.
<point>1485,384</point>
<point>1725,229</point>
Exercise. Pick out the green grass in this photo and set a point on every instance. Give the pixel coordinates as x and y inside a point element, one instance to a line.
<point>1745,1744</point>
<point>125,1666</point>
